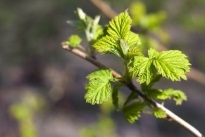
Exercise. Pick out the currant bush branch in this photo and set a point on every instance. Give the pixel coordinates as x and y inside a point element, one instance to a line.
<point>170,115</point>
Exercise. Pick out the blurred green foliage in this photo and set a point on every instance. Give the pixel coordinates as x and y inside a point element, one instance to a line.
<point>104,126</point>
<point>144,20</point>
<point>192,15</point>
<point>24,112</point>
<point>73,40</point>
<point>148,23</point>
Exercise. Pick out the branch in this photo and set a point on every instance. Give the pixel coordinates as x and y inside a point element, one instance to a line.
<point>104,8</point>
<point>194,74</point>
<point>170,115</point>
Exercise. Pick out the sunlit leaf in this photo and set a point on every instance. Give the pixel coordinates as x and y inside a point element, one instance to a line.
<point>99,87</point>
<point>172,64</point>
<point>107,44</point>
<point>142,69</point>
<point>133,39</point>
<point>119,27</point>
<point>74,40</point>
<point>177,95</point>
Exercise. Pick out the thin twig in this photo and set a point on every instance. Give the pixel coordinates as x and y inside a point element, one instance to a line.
<point>170,115</point>
<point>89,59</point>
<point>194,74</point>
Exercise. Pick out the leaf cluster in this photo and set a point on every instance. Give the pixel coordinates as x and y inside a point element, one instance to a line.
<point>120,41</point>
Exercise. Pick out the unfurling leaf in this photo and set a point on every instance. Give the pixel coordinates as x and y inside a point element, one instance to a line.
<point>99,87</point>
<point>177,95</point>
<point>74,41</point>
<point>133,111</point>
<point>87,24</point>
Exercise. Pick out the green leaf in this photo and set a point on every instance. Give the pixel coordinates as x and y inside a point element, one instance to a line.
<point>124,47</point>
<point>159,113</point>
<point>107,44</point>
<point>119,39</point>
<point>99,87</point>
<point>142,68</point>
<point>156,78</point>
<point>133,111</point>
<point>133,39</point>
<point>120,26</point>
<point>156,94</point>
<point>177,95</point>
<point>133,42</point>
<point>134,51</point>
<point>172,64</point>
<point>74,40</point>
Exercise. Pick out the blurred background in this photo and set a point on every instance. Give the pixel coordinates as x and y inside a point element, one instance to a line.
<point>42,86</point>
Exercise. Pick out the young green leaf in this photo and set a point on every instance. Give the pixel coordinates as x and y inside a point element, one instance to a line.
<point>133,111</point>
<point>87,24</point>
<point>156,94</point>
<point>107,44</point>
<point>133,39</point>
<point>99,87</point>
<point>159,113</point>
<point>172,64</point>
<point>124,47</point>
<point>119,39</point>
<point>142,68</point>
<point>134,51</point>
<point>133,42</point>
<point>120,26</point>
<point>74,40</point>
<point>177,95</point>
